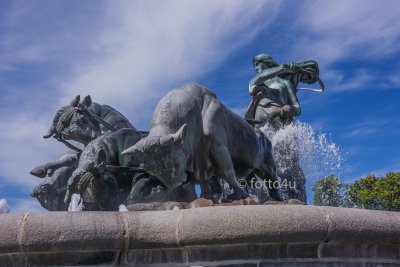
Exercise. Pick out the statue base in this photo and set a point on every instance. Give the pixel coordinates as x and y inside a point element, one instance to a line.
<point>258,235</point>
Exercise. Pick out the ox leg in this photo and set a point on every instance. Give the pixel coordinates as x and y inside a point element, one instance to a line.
<point>205,190</point>
<point>48,168</point>
<point>225,167</point>
<point>205,187</point>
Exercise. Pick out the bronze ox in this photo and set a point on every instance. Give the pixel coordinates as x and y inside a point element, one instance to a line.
<point>193,135</point>
<point>81,122</point>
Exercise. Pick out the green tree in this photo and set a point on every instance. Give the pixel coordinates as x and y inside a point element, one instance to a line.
<point>378,193</point>
<point>328,191</point>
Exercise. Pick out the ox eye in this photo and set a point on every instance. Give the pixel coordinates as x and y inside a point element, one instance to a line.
<point>156,189</point>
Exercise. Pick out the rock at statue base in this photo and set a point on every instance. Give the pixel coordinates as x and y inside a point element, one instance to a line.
<point>294,201</point>
<point>246,201</point>
<point>200,202</point>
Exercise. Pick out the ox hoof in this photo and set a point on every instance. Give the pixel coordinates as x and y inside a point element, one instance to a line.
<point>294,201</point>
<point>245,201</point>
<point>200,202</point>
<point>236,197</point>
<point>249,201</point>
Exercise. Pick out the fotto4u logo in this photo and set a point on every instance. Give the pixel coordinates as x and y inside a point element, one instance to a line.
<point>267,184</point>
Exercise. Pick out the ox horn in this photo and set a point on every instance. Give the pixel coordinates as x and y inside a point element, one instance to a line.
<point>87,101</point>
<point>50,132</point>
<point>39,171</point>
<point>166,140</point>
<point>75,101</point>
<point>129,150</point>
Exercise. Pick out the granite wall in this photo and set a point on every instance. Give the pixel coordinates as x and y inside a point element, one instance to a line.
<point>262,235</point>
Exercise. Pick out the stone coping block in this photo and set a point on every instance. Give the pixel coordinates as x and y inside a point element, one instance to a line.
<point>195,235</point>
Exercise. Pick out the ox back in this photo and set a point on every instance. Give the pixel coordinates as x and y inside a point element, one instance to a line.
<point>193,133</point>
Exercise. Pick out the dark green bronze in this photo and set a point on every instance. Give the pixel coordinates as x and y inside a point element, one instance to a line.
<point>193,139</point>
<point>275,104</point>
<point>274,90</point>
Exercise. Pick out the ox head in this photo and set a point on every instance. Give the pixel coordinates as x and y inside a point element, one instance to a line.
<point>163,157</point>
<point>149,189</point>
<point>74,122</point>
<point>45,193</point>
<point>50,193</point>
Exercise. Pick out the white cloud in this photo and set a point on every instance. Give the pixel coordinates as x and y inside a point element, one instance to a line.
<point>361,131</point>
<point>35,32</point>
<point>373,125</point>
<point>333,32</point>
<point>394,80</point>
<point>349,28</point>
<point>24,148</point>
<point>151,48</point>
<point>358,79</point>
<point>129,53</point>
<point>126,54</point>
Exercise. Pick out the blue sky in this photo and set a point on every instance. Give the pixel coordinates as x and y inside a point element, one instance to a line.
<point>128,54</point>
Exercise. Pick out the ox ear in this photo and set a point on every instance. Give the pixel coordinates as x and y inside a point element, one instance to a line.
<point>87,101</point>
<point>101,157</point>
<point>167,140</point>
<point>176,138</point>
<point>180,134</point>
<point>74,102</point>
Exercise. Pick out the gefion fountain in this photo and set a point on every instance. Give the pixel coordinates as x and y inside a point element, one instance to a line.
<point>140,206</point>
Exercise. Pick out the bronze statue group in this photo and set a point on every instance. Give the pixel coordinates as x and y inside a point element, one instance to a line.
<point>193,139</point>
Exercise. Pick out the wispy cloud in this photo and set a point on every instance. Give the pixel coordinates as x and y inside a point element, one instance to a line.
<point>129,53</point>
<point>151,48</point>
<point>393,167</point>
<point>126,54</point>
<point>23,148</point>
<point>373,126</point>
<point>394,80</point>
<point>39,32</point>
<point>343,28</point>
<point>341,31</point>
<point>360,79</point>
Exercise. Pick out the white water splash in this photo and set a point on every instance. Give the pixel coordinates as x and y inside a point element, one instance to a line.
<point>318,155</point>
<point>76,203</point>
<point>122,208</point>
<point>4,208</point>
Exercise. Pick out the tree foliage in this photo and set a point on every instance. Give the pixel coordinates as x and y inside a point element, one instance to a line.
<point>378,193</point>
<point>370,192</point>
<point>328,191</point>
